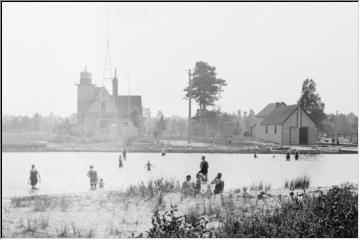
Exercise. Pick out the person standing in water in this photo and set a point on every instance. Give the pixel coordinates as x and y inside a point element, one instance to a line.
<point>92,174</point>
<point>296,155</point>
<point>204,167</point>
<point>288,155</point>
<point>120,161</point>
<point>219,184</point>
<point>34,177</point>
<point>148,166</point>
<point>124,153</point>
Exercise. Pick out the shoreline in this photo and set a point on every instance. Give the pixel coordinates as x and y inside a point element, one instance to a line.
<point>88,193</point>
<point>215,151</point>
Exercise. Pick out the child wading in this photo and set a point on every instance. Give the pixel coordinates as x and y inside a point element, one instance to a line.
<point>33,179</point>
<point>101,183</point>
<point>219,184</point>
<point>92,174</point>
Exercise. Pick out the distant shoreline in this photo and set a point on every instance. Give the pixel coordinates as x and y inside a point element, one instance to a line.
<point>214,151</point>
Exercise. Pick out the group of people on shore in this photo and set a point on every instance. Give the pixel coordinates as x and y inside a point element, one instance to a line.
<point>190,188</point>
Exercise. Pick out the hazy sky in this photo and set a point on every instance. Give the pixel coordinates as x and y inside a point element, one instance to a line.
<point>264,51</point>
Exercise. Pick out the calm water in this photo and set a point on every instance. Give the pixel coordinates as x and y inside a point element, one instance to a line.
<point>66,171</point>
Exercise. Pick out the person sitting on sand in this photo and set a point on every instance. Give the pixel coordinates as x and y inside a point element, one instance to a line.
<point>219,184</point>
<point>92,174</point>
<point>120,161</point>
<point>188,186</point>
<point>204,166</point>
<point>33,179</point>
<point>148,165</point>
<point>101,183</point>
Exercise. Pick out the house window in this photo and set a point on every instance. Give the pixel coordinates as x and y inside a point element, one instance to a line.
<point>266,129</point>
<point>275,129</point>
<point>103,106</point>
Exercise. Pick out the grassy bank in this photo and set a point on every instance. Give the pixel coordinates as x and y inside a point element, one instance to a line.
<point>158,209</point>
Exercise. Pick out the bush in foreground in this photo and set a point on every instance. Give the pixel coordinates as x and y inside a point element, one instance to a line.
<point>332,215</point>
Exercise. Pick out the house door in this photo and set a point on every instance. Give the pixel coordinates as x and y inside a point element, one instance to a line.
<point>294,135</point>
<point>304,135</point>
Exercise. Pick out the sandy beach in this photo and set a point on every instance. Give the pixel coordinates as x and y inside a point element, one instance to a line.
<point>109,214</point>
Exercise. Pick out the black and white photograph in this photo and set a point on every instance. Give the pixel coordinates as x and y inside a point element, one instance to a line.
<point>179,119</point>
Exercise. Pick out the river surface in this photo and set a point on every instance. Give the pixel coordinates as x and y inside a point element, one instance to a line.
<point>65,172</point>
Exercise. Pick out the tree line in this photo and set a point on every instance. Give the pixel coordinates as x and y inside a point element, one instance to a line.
<point>209,121</point>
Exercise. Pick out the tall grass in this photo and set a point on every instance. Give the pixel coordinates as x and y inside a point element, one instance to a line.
<point>44,222</point>
<point>153,188</point>
<point>259,186</point>
<point>64,204</point>
<point>41,204</point>
<point>302,182</point>
<point>114,231</point>
<point>73,231</point>
<point>31,226</point>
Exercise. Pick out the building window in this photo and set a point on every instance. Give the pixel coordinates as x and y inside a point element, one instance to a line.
<point>266,129</point>
<point>275,129</point>
<point>103,106</point>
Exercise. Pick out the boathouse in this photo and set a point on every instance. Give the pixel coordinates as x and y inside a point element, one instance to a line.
<point>284,124</point>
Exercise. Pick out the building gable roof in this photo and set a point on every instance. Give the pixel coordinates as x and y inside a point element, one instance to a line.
<point>279,115</point>
<point>123,105</point>
<point>269,108</point>
<point>122,102</point>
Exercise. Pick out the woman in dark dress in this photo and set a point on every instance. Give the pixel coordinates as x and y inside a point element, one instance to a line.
<point>33,179</point>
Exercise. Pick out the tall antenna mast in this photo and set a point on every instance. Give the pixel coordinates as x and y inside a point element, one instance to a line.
<point>106,75</point>
<point>129,93</point>
<point>107,66</point>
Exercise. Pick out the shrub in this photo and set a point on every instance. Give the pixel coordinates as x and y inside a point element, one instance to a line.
<point>332,215</point>
<point>168,225</point>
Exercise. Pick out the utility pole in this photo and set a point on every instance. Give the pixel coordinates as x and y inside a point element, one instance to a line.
<point>189,117</point>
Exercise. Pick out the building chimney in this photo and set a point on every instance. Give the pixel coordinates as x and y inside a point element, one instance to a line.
<point>115,88</point>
